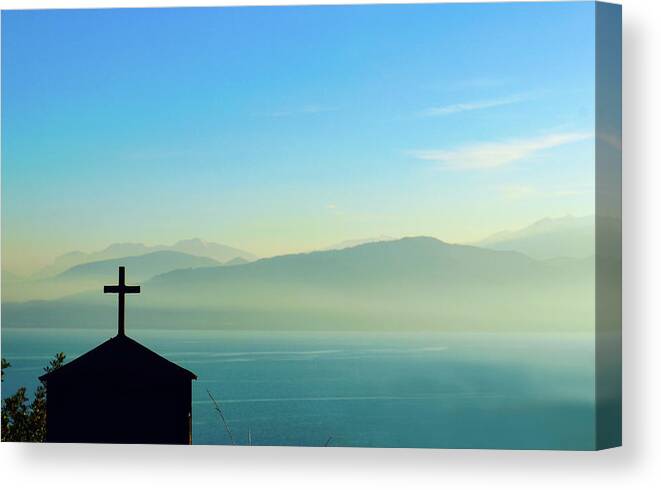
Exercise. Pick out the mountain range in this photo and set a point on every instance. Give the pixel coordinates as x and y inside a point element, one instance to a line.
<point>538,277</point>
<point>360,241</point>
<point>141,267</point>
<point>93,275</point>
<point>195,246</point>
<point>411,283</point>
<point>548,238</point>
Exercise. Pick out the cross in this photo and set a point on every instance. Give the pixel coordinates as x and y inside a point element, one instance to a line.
<point>121,289</point>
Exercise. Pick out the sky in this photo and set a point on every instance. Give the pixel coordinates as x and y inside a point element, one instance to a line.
<point>285,129</point>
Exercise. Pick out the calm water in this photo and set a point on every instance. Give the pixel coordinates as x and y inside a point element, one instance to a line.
<point>362,389</point>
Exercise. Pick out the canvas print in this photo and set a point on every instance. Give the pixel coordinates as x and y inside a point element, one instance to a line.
<point>334,226</point>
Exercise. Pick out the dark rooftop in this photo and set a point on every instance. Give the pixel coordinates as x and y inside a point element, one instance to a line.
<point>120,355</point>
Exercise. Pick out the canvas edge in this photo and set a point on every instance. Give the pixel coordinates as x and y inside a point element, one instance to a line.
<point>608,225</point>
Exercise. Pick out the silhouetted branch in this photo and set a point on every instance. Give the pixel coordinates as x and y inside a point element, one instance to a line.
<point>222,417</point>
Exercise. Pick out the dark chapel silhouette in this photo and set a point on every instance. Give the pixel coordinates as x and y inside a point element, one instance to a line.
<point>119,392</point>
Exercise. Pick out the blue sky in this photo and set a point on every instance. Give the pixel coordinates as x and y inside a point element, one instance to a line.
<point>286,129</point>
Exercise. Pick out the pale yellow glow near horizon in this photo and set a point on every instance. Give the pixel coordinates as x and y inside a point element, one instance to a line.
<point>24,257</point>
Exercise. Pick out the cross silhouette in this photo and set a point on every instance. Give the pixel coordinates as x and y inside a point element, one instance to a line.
<point>121,289</point>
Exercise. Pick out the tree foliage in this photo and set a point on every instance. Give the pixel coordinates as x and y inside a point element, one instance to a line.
<point>24,420</point>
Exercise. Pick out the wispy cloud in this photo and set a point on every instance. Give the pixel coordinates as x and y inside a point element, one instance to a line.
<point>447,110</point>
<point>308,109</point>
<point>497,154</point>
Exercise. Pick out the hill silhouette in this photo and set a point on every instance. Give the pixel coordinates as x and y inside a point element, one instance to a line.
<point>92,275</point>
<point>411,283</point>
<point>548,238</point>
<point>359,241</point>
<point>236,261</point>
<point>142,266</point>
<point>195,246</point>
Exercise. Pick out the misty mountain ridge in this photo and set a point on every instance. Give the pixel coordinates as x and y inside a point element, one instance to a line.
<point>397,254</point>
<point>410,283</point>
<point>548,238</point>
<point>236,261</point>
<point>359,241</point>
<point>195,246</point>
<point>142,267</point>
<point>92,275</point>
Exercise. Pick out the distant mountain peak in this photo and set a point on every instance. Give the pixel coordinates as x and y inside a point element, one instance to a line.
<point>565,236</point>
<point>119,245</point>
<point>359,241</point>
<point>140,266</point>
<point>194,246</point>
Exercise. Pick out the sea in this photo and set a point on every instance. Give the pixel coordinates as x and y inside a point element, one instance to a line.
<point>366,389</point>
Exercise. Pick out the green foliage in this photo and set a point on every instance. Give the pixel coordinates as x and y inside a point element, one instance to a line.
<point>24,420</point>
